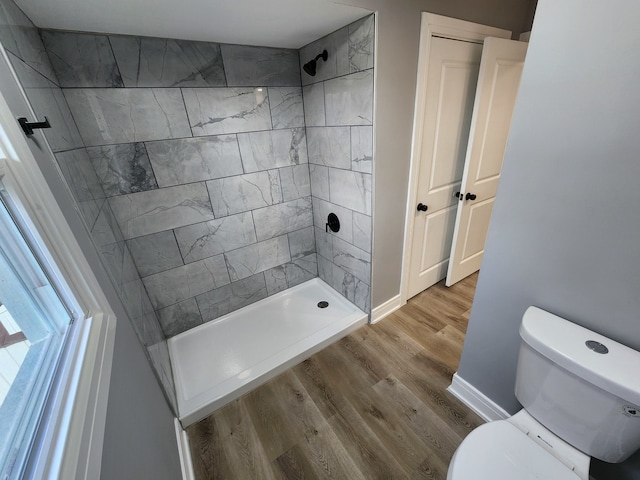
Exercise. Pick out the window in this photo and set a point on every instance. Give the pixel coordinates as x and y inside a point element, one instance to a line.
<point>33,324</point>
<point>51,297</point>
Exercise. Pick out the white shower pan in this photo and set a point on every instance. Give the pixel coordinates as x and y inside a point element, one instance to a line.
<point>221,360</point>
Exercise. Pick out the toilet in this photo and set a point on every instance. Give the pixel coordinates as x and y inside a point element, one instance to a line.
<point>580,394</point>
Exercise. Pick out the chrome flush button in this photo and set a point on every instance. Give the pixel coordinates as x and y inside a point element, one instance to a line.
<point>631,411</point>
<point>596,346</point>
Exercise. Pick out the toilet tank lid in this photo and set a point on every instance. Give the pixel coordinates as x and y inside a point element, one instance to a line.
<point>565,343</point>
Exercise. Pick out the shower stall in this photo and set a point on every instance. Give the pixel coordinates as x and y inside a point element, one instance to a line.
<point>206,173</point>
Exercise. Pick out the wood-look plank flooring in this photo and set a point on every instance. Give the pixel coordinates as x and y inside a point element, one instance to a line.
<point>372,405</point>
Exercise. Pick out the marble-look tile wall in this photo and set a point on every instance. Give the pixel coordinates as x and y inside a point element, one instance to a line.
<point>41,84</point>
<point>201,153</point>
<point>338,109</point>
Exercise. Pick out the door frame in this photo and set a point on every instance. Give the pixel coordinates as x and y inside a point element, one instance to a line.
<point>432,25</point>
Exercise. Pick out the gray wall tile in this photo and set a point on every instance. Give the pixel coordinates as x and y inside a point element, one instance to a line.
<point>351,189</point>
<point>313,101</point>
<point>48,100</point>
<point>80,176</point>
<point>308,263</point>
<point>20,37</point>
<point>345,282</point>
<point>330,146</point>
<point>215,236</point>
<point>119,265</point>
<point>295,182</point>
<point>219,302</point>
<point>283,218</point>
<point>352,288</point>
<point>161,362</point>
<point>89,210</point>
<point>349,99</point>
<point>143,318</point>
<point>362,149</point>
<point>105,230</point>
<point>126,115</point>
<point>244,192</point>
<point>352,260</point>
<point>193,159</point>
<point>151,334</point>
<point>324,243</point>
<point>247,261</point>
<point>272,149</point>
<point>290,274</point>
<point>161,62</point>
<point>286,107</point>
<point>325,271</point>
<point>178,284</point>
<point>137,304</point>
<point>82,60</point>
<point>302,242</point>
<point>83,182</point>
<point>155,253</point>
<point>122,168</point>
<point>319,181</point>
<point>361,44</point>
<point>250,66</point>
<point>214,111</point>
<point>180,317</point>
<point>362,231</point>
<point>156,210</point>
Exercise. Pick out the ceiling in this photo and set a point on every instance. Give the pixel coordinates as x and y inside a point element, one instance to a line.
<point>274,23</point>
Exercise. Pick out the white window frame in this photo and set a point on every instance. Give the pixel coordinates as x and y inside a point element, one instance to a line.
<point>69,443</point>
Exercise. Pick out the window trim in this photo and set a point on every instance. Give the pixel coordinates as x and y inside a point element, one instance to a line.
<point>70,439</point>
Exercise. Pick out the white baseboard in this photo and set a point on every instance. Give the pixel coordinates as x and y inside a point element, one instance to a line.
<point>388,307</point>
<point>186,465</point>
<point>476,400</point>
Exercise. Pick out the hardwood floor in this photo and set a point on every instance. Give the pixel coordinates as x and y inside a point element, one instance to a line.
<point>372,405</point>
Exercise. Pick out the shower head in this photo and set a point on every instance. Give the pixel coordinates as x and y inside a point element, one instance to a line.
<point>310,66</point>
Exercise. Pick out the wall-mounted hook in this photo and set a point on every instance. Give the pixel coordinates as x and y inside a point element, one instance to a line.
<point>27,127</point>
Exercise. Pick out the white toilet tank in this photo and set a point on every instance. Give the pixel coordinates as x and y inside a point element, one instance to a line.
<point>582,386</point>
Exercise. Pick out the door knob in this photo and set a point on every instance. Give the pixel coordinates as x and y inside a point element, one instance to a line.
<point>470,196</point>
<point>422,208</point>
<point>459,195</point>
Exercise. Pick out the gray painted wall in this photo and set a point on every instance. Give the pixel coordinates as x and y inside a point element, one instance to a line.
<point>398,32</point>
<point>564,232</point>
<point>139,437</point>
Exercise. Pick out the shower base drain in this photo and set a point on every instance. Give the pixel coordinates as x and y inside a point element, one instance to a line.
<point>323,304</point>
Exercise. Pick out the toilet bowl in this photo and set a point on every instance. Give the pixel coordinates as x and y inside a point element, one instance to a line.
<point>580,394</point>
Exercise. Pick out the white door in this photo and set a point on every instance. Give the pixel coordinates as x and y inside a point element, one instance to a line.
<point>498,82</point>
<point>452,75</point>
